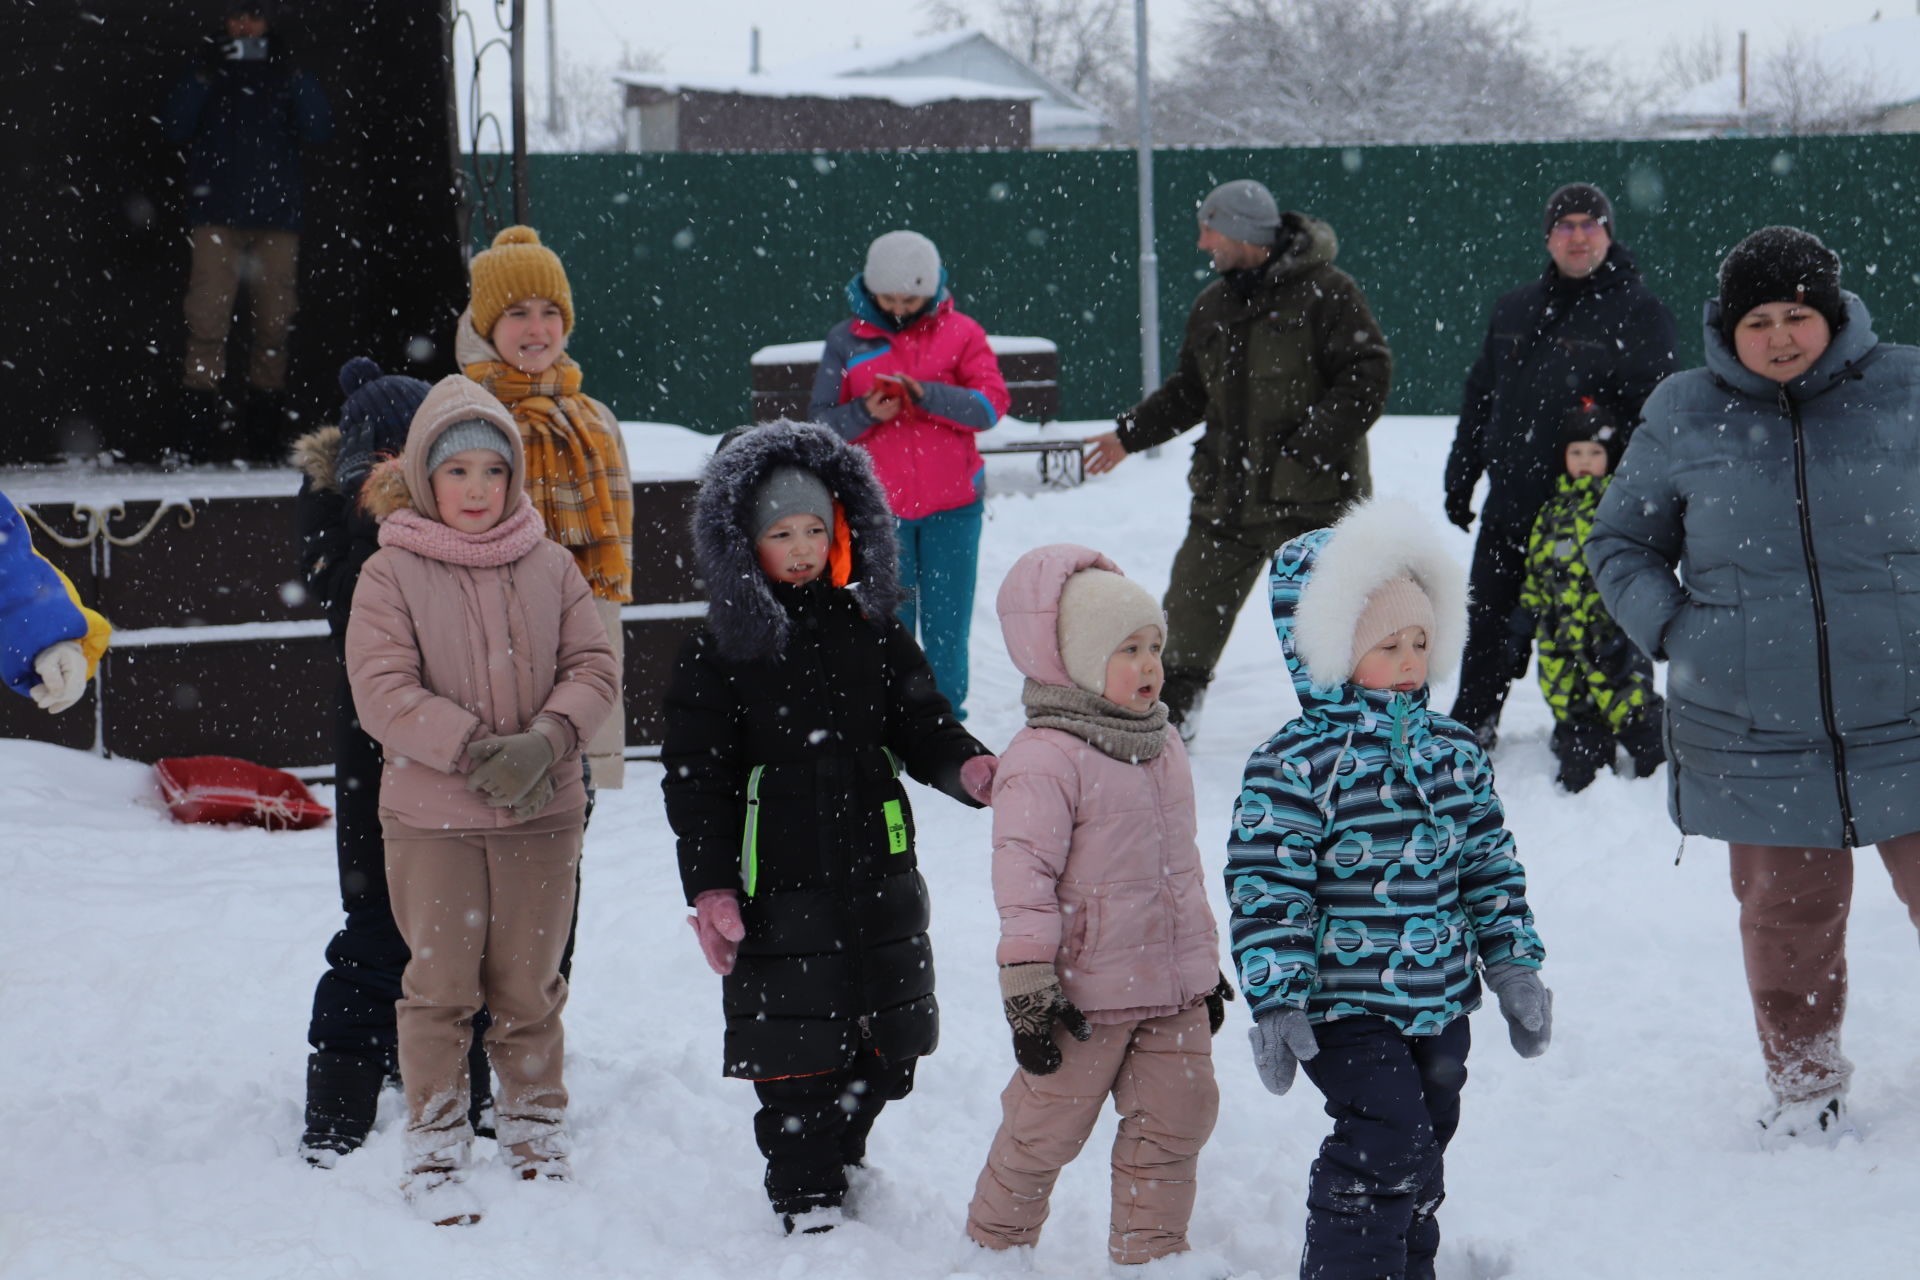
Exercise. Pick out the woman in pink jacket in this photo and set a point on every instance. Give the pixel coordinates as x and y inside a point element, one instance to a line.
<point>913,382</point>
<point>479,663</point>
<point>1104,924</point>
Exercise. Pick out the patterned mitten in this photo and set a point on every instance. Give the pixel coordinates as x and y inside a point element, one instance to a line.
<point>1031,996</point>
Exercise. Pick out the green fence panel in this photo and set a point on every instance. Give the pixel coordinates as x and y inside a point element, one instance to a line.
<point>683,265</point>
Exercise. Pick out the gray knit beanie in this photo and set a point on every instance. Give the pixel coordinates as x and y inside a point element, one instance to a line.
<point>1099,609</point>
<point>790,491</point>
<point>471,434</point>
<point>903,262</point>
<point>1242,210</point>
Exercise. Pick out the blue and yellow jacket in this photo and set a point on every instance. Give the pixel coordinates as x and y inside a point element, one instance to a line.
<point>1369,865</point>
<point>38,607</point>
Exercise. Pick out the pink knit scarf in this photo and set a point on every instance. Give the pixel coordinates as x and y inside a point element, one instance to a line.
<point>506,542</point>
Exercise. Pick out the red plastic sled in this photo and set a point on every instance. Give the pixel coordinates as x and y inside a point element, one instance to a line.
<point>225,789</point>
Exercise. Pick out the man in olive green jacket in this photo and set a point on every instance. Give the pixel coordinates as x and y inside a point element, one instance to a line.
<point>1283,361</point>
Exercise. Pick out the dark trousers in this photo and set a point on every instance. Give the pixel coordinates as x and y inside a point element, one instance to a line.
<point>1493,586</point>
<point>1380,1176</point>
<point>810,1128</point>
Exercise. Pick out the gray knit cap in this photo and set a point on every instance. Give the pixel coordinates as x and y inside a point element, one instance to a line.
<point>902,262</point>
<point>1242,210</point>
<point>1099,609</point>
<point>471,434</point>
<point>790,491</point>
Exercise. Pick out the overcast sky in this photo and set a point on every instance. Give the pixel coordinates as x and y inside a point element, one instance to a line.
<point>714,35</point>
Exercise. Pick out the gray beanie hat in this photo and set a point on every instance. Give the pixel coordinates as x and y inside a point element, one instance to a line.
<point>1242,210</point>
<point>790,491</point>
<point>1099,609</point>
<point>474,433</point>
<point>903,262</point>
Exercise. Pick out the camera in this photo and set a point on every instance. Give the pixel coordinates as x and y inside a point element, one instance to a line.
<point>245,49</point>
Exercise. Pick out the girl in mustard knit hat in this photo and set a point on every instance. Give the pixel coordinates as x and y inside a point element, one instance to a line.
<point>512,340</point>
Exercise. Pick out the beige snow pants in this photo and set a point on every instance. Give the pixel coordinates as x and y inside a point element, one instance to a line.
<point>485,915</point>
<point>1159,1073</point>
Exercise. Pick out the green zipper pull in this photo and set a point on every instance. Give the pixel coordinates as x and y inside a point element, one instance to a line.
<point>750,837</point>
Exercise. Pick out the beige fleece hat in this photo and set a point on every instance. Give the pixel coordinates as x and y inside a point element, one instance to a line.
<point>1398,602</point>
<point>1099,609</point>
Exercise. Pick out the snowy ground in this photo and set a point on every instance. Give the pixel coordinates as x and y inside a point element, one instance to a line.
<point>154,983</point>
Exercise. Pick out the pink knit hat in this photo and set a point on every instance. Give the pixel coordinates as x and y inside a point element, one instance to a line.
<point>1396,603</point>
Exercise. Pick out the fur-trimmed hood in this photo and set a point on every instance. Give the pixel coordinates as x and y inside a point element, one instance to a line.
<point>1320,583</point>
<point>317,455</point>
<point>743,614</point>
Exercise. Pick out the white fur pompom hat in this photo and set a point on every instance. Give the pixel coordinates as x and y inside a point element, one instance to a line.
<point>1323,582</point>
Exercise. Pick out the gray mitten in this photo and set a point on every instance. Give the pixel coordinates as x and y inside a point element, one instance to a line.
<point>1526,1005</point>
<point>1282,1040</point>
<point>507,768</point>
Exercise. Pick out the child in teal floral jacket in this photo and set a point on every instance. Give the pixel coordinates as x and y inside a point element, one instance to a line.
<point>1372,883</point>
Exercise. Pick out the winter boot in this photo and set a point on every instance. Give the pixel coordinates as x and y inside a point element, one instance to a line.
<point>813,1222</point>
<point>1643,744</point>
<point>1581,748</point>
<point>480,1086</point>
<point>1818,1121</point>
<point>547,1157</point>
<point>343,1095</point>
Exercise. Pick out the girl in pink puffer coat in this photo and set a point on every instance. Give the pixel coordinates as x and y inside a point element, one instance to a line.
<point>1104,923</point>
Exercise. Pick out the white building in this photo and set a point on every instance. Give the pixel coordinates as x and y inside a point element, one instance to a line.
<point>1863,79</point>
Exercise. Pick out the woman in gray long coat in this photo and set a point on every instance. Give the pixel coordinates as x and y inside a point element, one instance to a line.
<point>1784,482</point>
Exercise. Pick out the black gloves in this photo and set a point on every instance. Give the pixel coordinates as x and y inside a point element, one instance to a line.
<point>1217,1004</point>
<point>1460,509</point>
<point>1031,996</point>
<point>1517,644</point>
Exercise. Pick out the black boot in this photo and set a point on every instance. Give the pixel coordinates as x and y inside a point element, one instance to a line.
<point>480,1087</point>
<point>1582,749</point>
<point>1642,741</point>
<point>343,1095</point>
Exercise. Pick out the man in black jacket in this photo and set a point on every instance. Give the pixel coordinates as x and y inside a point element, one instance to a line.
<point>1587,328</point>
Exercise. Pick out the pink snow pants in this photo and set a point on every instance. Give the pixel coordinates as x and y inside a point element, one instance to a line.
<point>1159,1073</point>
<point>1793,930</point>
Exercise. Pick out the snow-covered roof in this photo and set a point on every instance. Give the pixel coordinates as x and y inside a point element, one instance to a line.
<point>881,58</point>
<point>907,91</point>
<point>1883,55</point>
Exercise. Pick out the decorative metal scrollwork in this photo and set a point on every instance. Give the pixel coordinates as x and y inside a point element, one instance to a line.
<point>493,158</point>
<point>99,519</point>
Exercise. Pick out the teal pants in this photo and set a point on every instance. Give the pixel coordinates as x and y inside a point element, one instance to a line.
<point>939,560</point>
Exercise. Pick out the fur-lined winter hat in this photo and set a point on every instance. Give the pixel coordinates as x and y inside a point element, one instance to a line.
<point>1592,421</point>
<point>374,420</point>
<point>745,618</point>
<point>1242,210</point>
<point>516,268</point>
<point>1098,610</point>
<point>1780,264</point>
<point>1579,197</point>
<point>902,262</point>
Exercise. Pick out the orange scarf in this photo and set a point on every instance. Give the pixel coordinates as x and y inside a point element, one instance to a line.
<point>574,473</point>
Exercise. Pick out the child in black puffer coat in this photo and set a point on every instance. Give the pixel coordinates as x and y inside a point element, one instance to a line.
<point>789,718</point>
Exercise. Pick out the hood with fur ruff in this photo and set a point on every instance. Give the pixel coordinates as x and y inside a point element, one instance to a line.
<point>1320,583</point>
<point>742,612</point>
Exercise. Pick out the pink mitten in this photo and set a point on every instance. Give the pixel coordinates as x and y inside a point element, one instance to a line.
<point>719,928</point>
<point>976,775</point>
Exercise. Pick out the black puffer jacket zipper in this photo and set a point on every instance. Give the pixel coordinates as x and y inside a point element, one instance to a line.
<point>1823,658</point>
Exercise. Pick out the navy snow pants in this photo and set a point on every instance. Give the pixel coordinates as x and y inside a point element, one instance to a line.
<point>1379,1179</point>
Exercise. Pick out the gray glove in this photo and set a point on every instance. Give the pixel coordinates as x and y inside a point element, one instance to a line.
<point>538,797</point>
<point>507,768</point>
<point>1282,1040</point>
<point>1526,1005</point>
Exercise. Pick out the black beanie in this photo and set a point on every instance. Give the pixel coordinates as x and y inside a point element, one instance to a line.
<point>1780,264</point>
<point>1579,197</point>
<point>374,420</point>
<point>1591,420</point>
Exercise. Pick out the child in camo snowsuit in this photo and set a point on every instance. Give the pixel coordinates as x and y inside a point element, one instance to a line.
<point>1598,684</point>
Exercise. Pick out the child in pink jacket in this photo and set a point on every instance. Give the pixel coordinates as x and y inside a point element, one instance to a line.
<point>1105,928</point>
<point>480,665</point>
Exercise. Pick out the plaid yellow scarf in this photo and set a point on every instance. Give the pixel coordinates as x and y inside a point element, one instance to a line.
<point>574,474</point>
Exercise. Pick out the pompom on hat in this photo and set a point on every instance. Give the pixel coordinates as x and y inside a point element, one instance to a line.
<point>516,268</point>
<point>374,420</point>
<point>1099,609</point>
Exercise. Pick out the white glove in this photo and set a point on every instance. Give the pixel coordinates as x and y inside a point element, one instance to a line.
<point>63,673</point>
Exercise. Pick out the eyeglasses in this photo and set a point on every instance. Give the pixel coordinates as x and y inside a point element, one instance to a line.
<point>1566,228</point>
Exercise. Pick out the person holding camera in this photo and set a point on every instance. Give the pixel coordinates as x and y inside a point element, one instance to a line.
<point>243,113</point>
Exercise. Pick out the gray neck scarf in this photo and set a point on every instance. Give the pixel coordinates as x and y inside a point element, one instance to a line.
<point>1133,736</point>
